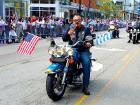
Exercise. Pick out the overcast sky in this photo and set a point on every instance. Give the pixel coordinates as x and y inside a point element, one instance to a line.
<point>122,0</point>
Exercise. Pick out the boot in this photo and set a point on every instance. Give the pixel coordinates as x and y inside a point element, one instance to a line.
<point>86,91</point>
<point>129,41</point>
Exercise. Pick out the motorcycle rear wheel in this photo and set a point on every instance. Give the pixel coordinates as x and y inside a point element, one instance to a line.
<point>54,88</point>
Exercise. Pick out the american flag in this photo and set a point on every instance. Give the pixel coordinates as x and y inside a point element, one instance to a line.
<point>28,44</point>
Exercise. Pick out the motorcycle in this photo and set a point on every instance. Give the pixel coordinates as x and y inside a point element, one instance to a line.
<point>114,29</point>
<point>135,35</point>
<point>65,68</point>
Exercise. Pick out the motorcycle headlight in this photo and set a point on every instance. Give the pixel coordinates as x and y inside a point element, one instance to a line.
<point>70,52</point>
<point>138,30</point>
<point>60,51</point>
<point>135,30</point>
<point>131,30</point>
<point>51,51</point>
<point>112,27</point>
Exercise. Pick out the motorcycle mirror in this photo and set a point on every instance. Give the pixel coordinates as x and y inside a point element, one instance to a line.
<point>52,44</point>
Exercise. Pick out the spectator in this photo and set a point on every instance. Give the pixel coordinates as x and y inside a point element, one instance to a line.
<point>12,33</point>
<point>19,29</point>
<point>2,28</point>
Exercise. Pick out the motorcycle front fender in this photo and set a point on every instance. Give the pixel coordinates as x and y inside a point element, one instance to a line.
<point>54,68</point>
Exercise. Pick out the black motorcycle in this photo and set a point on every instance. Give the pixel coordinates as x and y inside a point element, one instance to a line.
<point>114,29</point>
<point>134,33</point>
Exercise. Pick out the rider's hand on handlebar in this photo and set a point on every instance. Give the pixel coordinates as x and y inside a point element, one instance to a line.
<point>88,45</point>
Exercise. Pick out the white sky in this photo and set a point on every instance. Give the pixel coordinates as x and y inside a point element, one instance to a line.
<point>122,0</point>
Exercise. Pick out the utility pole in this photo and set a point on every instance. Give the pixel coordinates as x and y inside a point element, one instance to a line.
<point>2,9</point>
<point>79,11</point>
<point>125,11</point>
<point>61,4</point>
<point>88,8</point>
<point>134,10</point>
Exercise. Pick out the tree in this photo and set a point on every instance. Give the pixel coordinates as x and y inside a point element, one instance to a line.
<point>117,10</point>
<point>110,9</point>
<point>89,5</point>
<point>105,7</point>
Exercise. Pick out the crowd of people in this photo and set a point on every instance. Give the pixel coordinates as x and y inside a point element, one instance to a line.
<point>13,30</point>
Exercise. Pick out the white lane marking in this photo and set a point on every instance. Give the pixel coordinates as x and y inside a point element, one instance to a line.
<point>107,49</point>
<point>96,66</point>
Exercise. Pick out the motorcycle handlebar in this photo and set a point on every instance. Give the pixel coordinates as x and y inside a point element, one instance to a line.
<point>77,44</point>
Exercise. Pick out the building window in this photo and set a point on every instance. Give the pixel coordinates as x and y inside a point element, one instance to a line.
<point>43,1</point>
<point>34,8</point>
<point>52,1</point>
<point>17,7</point>
<point>34,1</point>
<point>52,9</point>
<point>42,11</point>
<point>34,13</point>
<point>44,8</point>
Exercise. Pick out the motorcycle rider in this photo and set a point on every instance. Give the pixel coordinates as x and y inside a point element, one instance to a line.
<point>75,33</point>
<point>114,23</point>
<point>130,34</point>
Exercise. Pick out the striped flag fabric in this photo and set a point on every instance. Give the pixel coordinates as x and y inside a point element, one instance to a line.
<point>28,44</point>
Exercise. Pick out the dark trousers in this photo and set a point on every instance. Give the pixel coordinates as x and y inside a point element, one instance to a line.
<point>130,36</point>
<point>85,60</point>
<point>2,36</point>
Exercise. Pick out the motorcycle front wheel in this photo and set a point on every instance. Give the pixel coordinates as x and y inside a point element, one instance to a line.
<point>54,88</point>
<point>134,40</point>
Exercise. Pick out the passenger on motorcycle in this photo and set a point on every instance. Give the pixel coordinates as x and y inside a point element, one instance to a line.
<point>77,32</point>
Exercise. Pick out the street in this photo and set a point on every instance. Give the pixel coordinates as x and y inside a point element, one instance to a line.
<point>23,78</point>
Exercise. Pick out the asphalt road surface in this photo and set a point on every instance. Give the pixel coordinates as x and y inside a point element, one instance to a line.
<point>114,79</point>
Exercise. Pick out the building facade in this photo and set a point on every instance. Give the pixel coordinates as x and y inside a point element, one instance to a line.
<point>42,7</point>
<point>59,8</point>
<point>62,8</point>
<point>131,9</point>
<point>89,8</point>
<point>9,7</point>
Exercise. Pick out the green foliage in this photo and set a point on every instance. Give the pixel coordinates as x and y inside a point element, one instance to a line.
<point>110,9</point>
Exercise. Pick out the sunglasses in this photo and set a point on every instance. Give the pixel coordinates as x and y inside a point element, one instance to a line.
<point>77,20</point>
